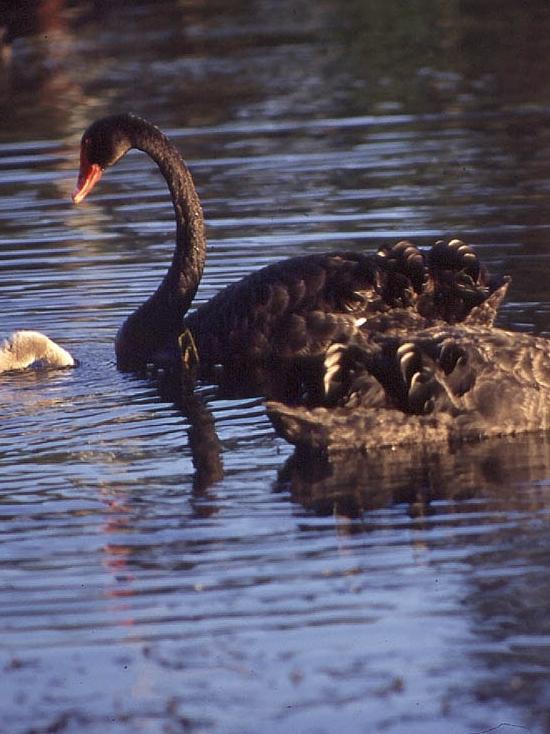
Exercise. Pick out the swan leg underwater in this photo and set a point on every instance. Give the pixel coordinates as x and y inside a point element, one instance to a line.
<point>284,316</point>
<point>31,348</point>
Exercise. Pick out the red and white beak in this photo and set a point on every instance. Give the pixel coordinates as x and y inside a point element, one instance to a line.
<point>88,176</point>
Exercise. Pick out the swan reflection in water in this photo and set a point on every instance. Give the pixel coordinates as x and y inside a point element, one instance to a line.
<point>178,387</point>
<point>507,473</point>
<point>511,473</point>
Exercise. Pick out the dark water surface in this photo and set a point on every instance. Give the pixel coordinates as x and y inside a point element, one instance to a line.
<point>243,589</point>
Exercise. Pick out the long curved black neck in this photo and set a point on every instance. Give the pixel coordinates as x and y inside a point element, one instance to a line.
<point>154,327</point>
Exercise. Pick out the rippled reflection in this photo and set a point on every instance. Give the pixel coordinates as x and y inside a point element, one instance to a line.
<point>509,473</point>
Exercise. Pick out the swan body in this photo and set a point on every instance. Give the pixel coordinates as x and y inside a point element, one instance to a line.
<point>443,384</point>
<point>289,311</point>
<point>25,348</point>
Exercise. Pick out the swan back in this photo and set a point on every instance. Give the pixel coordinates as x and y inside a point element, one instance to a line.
<point>25,348</point>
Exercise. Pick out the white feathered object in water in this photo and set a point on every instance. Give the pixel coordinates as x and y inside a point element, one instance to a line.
<point>25,348</point>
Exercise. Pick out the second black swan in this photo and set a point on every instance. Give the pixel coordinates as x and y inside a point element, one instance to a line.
<point>450,384</point>
<point>289,311</point>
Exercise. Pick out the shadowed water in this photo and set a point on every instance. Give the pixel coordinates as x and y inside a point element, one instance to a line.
<point>167,564</point>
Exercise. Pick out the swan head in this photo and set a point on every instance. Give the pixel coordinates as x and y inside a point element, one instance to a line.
<point>103,144</point>
<point>25,348</point>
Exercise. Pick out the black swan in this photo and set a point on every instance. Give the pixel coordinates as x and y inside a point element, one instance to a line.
<point>25,348</point>
<point>289,311</point>
<point>451,383</point>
